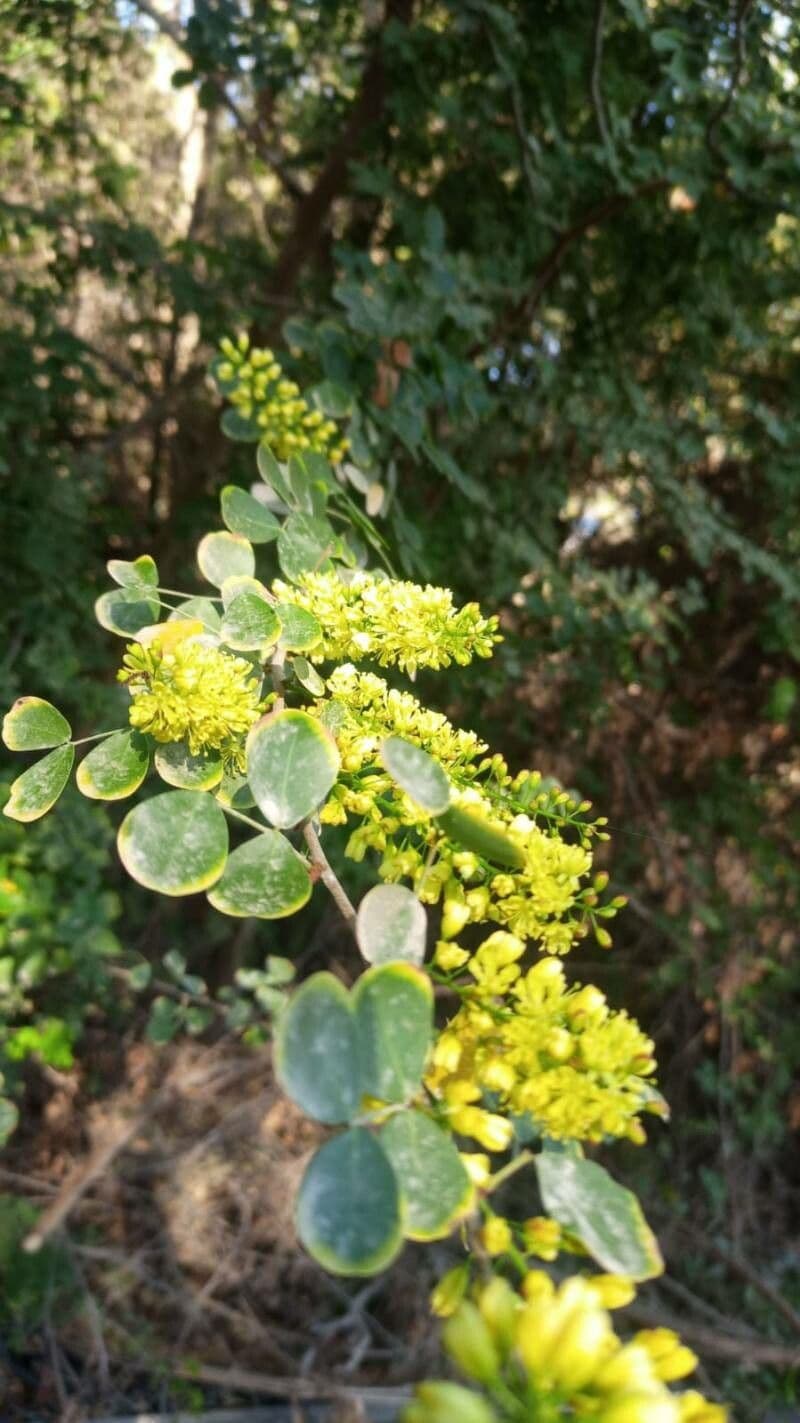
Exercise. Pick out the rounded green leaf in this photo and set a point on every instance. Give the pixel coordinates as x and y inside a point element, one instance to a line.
<point>300,630</point>
<point>391,924</point>
<point>223,555</point>
<point>292,762</point>
<point>249,624</point>
<point>177,766</point>
<point>38,788</point>
<point>247,516</point>
<point>125,611</point>
<point>605,1216</point>
<point>240,583</point>
<point>435,1190</point>
<point>272,473</point>
<point>263,879</point>
<point>417,773</point>
<point>394,1013</point>
<point>235,792</point>
<point>477,834</point>
<point>132,575</point>
<point>201,608</point>
<point>115,768</point>
<point>308,676</point>
<point>175,843</point>
<point>34,725</point>
<point>305,544</point>
<point>240,427</point>
<point>316,1055</point>
<point>348,1207</point>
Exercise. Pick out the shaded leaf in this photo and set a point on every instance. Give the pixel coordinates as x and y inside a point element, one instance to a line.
<point>316,1057</point>
<point>300,630</point>
<point>394,1012</point>
<point>125,611</point>
<point>305,544</point>
<point>348,1207</point>
<point>264,878</point>
<point>177,766</point>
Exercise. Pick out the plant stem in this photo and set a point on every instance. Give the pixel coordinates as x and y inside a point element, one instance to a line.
<point>320,860</point>
<point>524,1159</point>
<point>98,736</point>
<point>247,819</point>
<point>276,667</point>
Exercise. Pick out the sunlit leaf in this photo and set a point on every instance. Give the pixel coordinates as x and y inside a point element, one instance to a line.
<point>417,773</point>
<point>292,762</point>
<point>300,630</point>
<point>132,575</point>
<point>305,544</point>
<point>265,878</point>
<point>175,843</point>
<point>391,924</point>
<point>34,725</point>
<point>435,1190</point>
<point>176,765</point>
<point>245,515</point>
<point>249,624</point>
<point>115,768</point>
<point>605,1216</point>
<point>224,555</point>
<point>394,1013</point>
<point>125,611</point>
<point>38,788</point>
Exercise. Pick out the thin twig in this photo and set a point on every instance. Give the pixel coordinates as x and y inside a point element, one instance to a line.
<point>328,876</point>
<point>595,85</point>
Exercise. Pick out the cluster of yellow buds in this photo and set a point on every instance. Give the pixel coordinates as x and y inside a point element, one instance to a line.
<point>552,1352</point>
<point>262,393</point>
<point>182,689</point>
<point>394,623</point>
<point>555,1053</point>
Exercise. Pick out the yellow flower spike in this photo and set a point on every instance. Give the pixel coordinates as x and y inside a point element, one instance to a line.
<point>580,1346</point>
<point>467,1340</point>
<point>615,1291</point>
<point>499,1306</point>
<point>492,1131</point>
<point>671,1359</point>
<point>694,1408</point>
<point>451,1289</point>
<point>167,636</point>
<point>559,1044</point>
<point>458,1093</point>
<point>477,1166</point>
<point>496,1236</point>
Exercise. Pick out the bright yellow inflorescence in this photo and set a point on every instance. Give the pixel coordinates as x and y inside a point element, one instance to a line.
<point>262,393</point>
<point>552,1353</point>
<point>391,622</point>
<point>544,900</point>
<point>556,1054</point>
<point>189,691</point>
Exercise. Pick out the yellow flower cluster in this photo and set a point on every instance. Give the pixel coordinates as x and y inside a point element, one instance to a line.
<point>543,900</point>
<point>556,1054</point>
<point>395,623</point>
<point>262,393</point>
<point>189,691</point>
<point>553,1354</point>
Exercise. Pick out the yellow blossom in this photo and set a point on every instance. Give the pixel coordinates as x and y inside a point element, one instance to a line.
<point>450,1291</point>
<point>257,388</point>
<point>542,1237</point>
<point>192,692</point>
<point>496,1236</point>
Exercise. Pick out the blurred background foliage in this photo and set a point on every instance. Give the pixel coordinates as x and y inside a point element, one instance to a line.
<point>545,258</point>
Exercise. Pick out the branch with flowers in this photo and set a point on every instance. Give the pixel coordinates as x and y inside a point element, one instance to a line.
<point>258,707</point>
